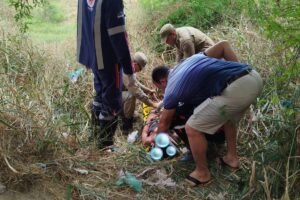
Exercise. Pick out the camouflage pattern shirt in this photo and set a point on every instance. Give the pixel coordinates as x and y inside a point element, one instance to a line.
<point>190,41</point>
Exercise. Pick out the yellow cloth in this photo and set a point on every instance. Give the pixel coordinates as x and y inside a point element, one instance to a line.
<point>146,111</point>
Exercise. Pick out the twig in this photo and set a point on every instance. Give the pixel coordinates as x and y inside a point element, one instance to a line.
<point>10,167</point>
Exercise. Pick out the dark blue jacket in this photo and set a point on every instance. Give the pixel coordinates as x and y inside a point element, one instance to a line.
<point>101,35</point>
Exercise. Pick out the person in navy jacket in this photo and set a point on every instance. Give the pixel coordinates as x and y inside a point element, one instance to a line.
<point>102,46</point>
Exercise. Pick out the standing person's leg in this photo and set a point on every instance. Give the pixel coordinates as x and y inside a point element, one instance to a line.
<point>215,112</point>
<point>111,81</point>
<point>198,144</point>
<point>231,157</point>
<point>237,102</point>
<point>96,106</point>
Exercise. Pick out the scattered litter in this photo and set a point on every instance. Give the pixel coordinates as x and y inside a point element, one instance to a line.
<point>65,135</point>
<point>81,171</point>
<point>74,75</point>
<point>157,177</point>
<point>111,149</point>
<point>287,103</point>
<point>46,165</point>
<point>132,137</point>
<point>126,178</point>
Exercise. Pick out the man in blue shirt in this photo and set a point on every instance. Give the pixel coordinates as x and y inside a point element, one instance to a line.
<point>102,46</point>
<point>219,90</point>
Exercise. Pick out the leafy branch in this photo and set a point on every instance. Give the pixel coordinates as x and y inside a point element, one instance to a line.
<point>23,11</point>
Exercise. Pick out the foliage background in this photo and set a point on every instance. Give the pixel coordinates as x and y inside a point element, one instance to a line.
<point>44,118</point>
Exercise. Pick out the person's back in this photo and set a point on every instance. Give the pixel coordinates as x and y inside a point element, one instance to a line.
<point>188,40</point>
<point>200,40</point>
<point>197,78</point>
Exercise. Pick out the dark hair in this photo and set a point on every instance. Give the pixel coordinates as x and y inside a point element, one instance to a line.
<point>160,72</point>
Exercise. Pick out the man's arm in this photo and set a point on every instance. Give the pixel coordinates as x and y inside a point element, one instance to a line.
<point>136,91</point>
<point>179,55</point>
<point>144,88</point>
<point>188,48</point>
<point>165,120</point>
<point>115,22</point>
<point>222,50</point>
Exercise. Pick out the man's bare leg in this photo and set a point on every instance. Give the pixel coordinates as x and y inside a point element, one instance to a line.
<point>222,50</point>
<point>198,144</point>
<point>231,158</point>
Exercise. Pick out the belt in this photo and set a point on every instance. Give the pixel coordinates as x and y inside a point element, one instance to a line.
<point>237,76</point>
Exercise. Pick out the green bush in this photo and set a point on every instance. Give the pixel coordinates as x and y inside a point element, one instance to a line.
<point>53,13</point>
<point>204,14</point>
<point>155,4</point>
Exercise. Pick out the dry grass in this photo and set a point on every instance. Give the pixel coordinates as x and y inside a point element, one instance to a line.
<point>44,124</point>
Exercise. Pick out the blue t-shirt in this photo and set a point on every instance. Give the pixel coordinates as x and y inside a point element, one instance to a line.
<point>197,78</point>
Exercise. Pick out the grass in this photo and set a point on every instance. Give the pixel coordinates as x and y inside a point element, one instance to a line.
<point>53,22</point>
<point>44,122</point>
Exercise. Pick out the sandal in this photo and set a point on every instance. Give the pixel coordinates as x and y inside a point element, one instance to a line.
<point>195,182</point>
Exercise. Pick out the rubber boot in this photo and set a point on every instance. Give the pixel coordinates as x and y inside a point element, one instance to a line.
<point>95,123</point>
<point>106,132</point>
<point>127,125</point>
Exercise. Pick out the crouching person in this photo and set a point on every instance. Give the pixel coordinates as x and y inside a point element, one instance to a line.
<point>221,91</point>
<point>134,91</point>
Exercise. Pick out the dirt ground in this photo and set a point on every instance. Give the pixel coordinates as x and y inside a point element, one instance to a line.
<point>31,195</point>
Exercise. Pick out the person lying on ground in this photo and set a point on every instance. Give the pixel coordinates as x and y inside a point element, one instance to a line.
<point>176,130</point>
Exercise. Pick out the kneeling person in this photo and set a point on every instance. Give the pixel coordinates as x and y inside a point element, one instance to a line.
<point>217,90</point>
<point>135,90</point>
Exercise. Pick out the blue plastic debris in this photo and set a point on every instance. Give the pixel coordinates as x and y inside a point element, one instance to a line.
<point>286,103</point>
<point>127,178</point>
<point>74,75</point>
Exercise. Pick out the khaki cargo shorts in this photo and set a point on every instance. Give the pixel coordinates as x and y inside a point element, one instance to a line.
<point>236,98</point>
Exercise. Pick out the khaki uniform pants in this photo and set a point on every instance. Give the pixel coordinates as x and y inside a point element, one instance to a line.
<point>129,102</point>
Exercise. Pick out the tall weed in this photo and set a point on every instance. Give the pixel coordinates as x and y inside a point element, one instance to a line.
<point>271,45</point>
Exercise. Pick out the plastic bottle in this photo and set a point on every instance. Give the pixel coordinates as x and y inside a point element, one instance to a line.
<point>171,151</point>
<point>162,140</point>
<point>127,178</point>
<point>156,153</point>
<point>75,75</point>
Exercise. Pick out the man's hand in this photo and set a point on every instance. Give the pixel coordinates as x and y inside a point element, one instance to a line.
<point>155,104</point>
<point>151,92</point>
<point>165,120</point>
<point>158,105</point>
